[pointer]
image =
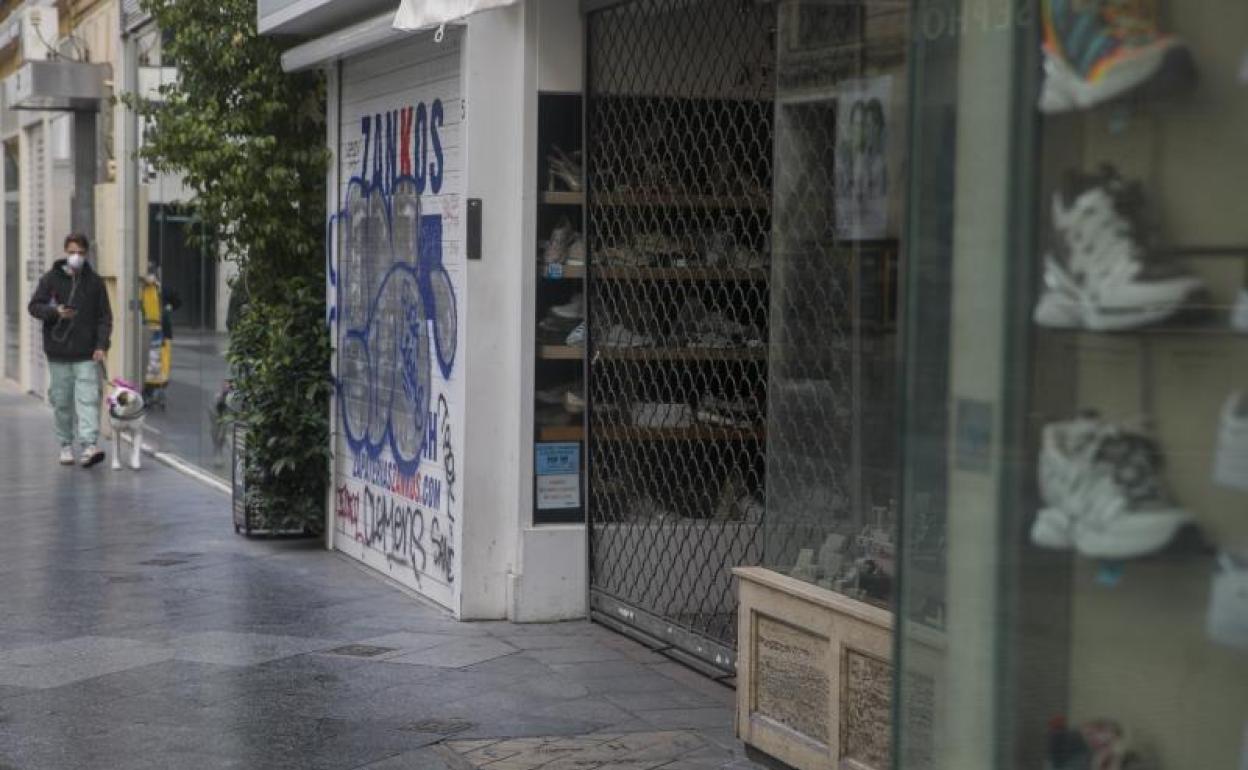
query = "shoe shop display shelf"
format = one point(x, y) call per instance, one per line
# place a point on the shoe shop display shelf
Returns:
point(559, 430)
point(1142, 368)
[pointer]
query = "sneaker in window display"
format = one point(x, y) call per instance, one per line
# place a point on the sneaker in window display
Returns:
point(1096, 51)
point(573, 309)
point(1230, 462)
point(556, 251)
point(1239, 313)
point(1103, 492)
point(1097, 277)
point(1227, 620)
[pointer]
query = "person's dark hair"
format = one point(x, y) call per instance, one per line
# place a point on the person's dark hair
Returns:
point(79, 239)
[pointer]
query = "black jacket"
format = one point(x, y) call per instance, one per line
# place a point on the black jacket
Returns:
point(75, 339)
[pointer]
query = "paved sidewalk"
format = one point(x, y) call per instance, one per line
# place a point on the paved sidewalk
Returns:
point(137, 631)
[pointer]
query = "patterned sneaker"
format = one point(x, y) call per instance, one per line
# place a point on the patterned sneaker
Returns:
point(1103, 492)
point(91, 456)
point(1098, 278)
point(1098, 50)
point(67, 455)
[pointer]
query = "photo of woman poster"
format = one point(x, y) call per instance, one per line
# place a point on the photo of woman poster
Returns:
point(861, 183)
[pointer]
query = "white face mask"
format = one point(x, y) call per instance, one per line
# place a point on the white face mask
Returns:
point(74, 261)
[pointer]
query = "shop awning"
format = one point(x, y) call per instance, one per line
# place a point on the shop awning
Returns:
point(425, 14)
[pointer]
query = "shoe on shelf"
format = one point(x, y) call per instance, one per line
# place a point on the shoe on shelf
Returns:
point(67, 455)
point(554, 395)
point(553, 330)
point(662, 415)
point(573, 309)
point(564, 170)
point(1230, 463)
point(1098, 50)
point(1227, 618)
point(728, 414)
point(576, 251)
point(621, 337)
point(556, 251)
point(1098, 278)
point(91, 456)
point(573, 401)
point(710, 341)
point(1239, 313)
point(576, 338)
point(1103, 492)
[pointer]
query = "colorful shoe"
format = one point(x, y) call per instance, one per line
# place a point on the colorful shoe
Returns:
point(1099, 50)
point(1098, 278)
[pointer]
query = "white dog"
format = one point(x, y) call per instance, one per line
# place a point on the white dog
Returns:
point(126, 411)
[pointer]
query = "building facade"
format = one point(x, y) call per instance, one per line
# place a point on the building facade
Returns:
point(885, 356)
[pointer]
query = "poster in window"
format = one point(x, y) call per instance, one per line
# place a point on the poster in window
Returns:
point(862, 182)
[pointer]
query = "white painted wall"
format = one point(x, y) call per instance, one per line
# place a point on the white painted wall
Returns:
point(494, 92)
point(550, 579)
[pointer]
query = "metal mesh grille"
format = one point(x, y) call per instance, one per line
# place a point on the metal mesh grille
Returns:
point(679, 158)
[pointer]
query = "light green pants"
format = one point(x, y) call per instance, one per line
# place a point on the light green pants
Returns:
point(75, 391)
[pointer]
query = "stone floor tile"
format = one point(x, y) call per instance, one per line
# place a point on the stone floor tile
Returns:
point(457, 654)
point(74, 660)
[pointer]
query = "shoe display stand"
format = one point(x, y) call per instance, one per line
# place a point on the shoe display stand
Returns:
point(559, 431)
point(1132, 626)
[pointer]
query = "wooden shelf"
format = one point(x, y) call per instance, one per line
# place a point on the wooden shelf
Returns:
point(560, 353)
point(683, 354)
point(560, 432)
point(563, 198)
point(683, 274)
point(1220, 332)
point(697, 432)
point(754, 201)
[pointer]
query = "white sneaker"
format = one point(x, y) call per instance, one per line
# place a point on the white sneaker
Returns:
point(67, 455)
point(573, 402)
point(576, 251)
point(1100, 281)
point(575, 308)
point(620, 337)
point(725, 413)
point(658, 415)
point(576, 338)
point(560, 242)
point(1239, 314)
point(1227, 620)
point(1102, 489)
point(1230, 462)
point(91, 456)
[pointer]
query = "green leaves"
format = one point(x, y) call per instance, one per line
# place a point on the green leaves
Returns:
point(249, 140)
point(280, 353)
